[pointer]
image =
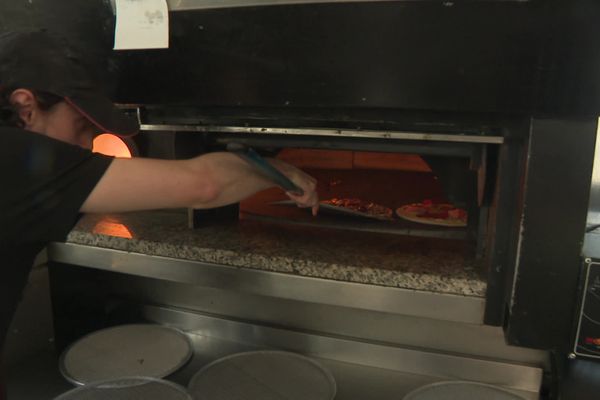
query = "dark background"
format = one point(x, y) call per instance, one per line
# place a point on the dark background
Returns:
point(532, 57)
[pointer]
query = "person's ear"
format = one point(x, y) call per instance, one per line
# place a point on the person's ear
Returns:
point(26, 105)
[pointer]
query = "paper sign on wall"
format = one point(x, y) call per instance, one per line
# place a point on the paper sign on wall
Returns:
point(141, 24)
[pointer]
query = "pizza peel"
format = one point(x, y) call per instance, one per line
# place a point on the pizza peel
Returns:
point(326, 207)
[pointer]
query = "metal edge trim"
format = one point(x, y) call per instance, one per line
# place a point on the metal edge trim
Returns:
point(440, 306)
point(346, 133)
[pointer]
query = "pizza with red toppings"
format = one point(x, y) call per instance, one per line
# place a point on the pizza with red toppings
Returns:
point(359, 207)
point(428, 212)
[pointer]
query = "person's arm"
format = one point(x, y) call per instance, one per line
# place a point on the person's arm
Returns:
point(206, 181)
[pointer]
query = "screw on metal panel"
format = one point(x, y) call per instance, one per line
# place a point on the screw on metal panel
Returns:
point(572, 356)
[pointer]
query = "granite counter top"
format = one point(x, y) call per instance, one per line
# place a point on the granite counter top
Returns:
point(437, 265)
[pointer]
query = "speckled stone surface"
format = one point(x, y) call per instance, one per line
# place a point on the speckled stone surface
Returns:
point(435, 265)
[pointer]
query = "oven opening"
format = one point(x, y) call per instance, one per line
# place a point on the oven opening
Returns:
point(388, 173)
point(379, 192)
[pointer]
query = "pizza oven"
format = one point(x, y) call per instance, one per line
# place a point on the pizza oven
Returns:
point(490, 106)
point(481, 166)
point(492, 272)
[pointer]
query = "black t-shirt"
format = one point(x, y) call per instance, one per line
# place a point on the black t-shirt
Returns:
point(44, 183)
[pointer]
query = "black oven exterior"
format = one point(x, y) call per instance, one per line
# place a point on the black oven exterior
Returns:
point(525, 71)
point(521, 70)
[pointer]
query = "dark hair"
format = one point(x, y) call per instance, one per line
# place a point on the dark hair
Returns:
point(8, 113)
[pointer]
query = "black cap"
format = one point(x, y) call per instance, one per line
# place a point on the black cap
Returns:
point(37, 60)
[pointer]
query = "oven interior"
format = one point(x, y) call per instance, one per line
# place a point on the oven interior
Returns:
point(390, 173)
point(387, 179)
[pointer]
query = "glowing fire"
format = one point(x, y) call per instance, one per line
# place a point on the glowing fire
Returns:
point(111, 145)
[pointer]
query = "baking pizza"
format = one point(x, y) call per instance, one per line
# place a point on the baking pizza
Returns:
point(362, 207)
point(431, 213)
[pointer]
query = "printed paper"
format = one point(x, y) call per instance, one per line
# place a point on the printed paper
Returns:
point(141, 24)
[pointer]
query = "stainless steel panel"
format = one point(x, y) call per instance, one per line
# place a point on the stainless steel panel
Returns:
point(128, 292)
point(522, 378)
point(286, 286)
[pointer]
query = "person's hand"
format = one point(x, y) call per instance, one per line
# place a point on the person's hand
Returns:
point(310, 198)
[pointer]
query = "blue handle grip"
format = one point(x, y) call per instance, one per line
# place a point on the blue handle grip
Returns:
point(267, 170)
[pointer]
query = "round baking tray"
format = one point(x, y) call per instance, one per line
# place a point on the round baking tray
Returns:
point(133, 388)
point(264, 375)
point(463, 390)
point(127, 350)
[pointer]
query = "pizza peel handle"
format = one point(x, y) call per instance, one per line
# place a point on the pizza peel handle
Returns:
point(264, 167)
